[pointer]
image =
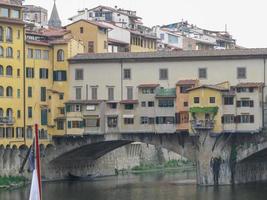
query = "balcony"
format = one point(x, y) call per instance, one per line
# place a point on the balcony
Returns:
point(202, 124)
point(7, 120)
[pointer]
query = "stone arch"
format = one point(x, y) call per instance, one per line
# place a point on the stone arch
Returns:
point(244, 153)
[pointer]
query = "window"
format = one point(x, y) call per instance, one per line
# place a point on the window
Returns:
point(129, 93)
point(60, 124)
point(144, 120)
point(212, 99)
point(15, 14)
point(228, 119)
point(166, 103)
point(9, 91)
point(29, 132)
point(10, 132)
point(162, 36)
point(43, 73)
point(44, 117)
point(1, 33)
point(77, 108)
point(75, 124)
point(81, 30)
point(9, 71)
point(196, 99)
point(165, 120)
point(45, 55)
point(148, 91)
point(60, 55)
point(1, 70)
point(163, 74)
point(127, 73)
point(94, 93)
point(29, 72)
point(60, 75)
point(151, 120)
point(78, 93)
point(150, 104)
point(1, 91)
point(228, 100)
point(1, 51)
point(30, 53)
point(185, 104)
point(143, 104)
point(244, 119)
point(112, 122)
point(18, 72)
point(61, 96)
point(128, 121)
point(78, 74)
point(2, 132)
point(37, 54)
point(9, 52)
point(92, 122)
point(9, 34)
point(43, 93)
point(18, 34)
point(113, 106)
point(18, 93)
point(29, 112)
point(128, 106)
point(245, 103)
point(18, 114)
point(4, 12)
point(110, 93)
point(29, 91)
point(241, 73)
point(90, 47)
point(18, 54)
point(202, 73)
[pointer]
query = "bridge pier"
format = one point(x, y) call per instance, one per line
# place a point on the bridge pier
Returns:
point(213, 160)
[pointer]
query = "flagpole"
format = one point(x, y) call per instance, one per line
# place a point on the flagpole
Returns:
point(37, 150)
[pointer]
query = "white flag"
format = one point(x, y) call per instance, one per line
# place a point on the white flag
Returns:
point(35, 193)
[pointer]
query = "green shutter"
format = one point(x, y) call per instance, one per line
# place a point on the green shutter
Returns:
point(68, 107)
point(69, 124)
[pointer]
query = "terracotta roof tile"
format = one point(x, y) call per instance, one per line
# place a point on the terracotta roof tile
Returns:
point(250, 84)
point(187, 82)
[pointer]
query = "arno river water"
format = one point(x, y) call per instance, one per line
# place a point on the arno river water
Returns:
point(156, 186)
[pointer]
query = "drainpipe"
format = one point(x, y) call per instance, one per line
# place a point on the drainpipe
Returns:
point(121, 62)
point(24, 84)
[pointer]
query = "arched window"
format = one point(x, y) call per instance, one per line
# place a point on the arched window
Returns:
point(9, 52)
point(1, 51)
point(1, 33)
point(1, 112)
point(1, 70)
point(9, 91)
point(9, 70)
point(9, 113)
point(1, 91)
point(60, 55)
point(9, 34)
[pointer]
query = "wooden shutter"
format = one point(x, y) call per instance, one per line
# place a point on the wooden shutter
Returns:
point(251, 118)
point(251, 103)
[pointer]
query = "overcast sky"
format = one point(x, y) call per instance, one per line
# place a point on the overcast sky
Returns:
point(245, 19)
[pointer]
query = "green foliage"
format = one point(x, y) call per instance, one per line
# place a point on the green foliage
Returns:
point(166, 165)
point(10, 180)
point(213, 110)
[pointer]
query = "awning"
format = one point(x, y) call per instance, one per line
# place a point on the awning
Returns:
point(128, 116)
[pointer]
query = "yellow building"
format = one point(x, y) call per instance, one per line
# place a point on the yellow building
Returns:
point(46, 79)
point(205, 107)
point(142, 42)
point(11, 73)
point(94, 35)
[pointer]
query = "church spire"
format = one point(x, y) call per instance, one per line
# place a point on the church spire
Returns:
point(54, 20)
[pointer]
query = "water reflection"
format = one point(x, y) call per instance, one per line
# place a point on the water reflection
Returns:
point(141, 187)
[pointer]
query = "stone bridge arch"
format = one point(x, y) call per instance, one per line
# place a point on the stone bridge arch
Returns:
point(74, 151)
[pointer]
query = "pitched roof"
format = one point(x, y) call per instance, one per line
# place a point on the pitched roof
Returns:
point(54, 20)
point(250, 85)
point(213, 87)
point(172, 55)
point(99, 24)
point(187, 82)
